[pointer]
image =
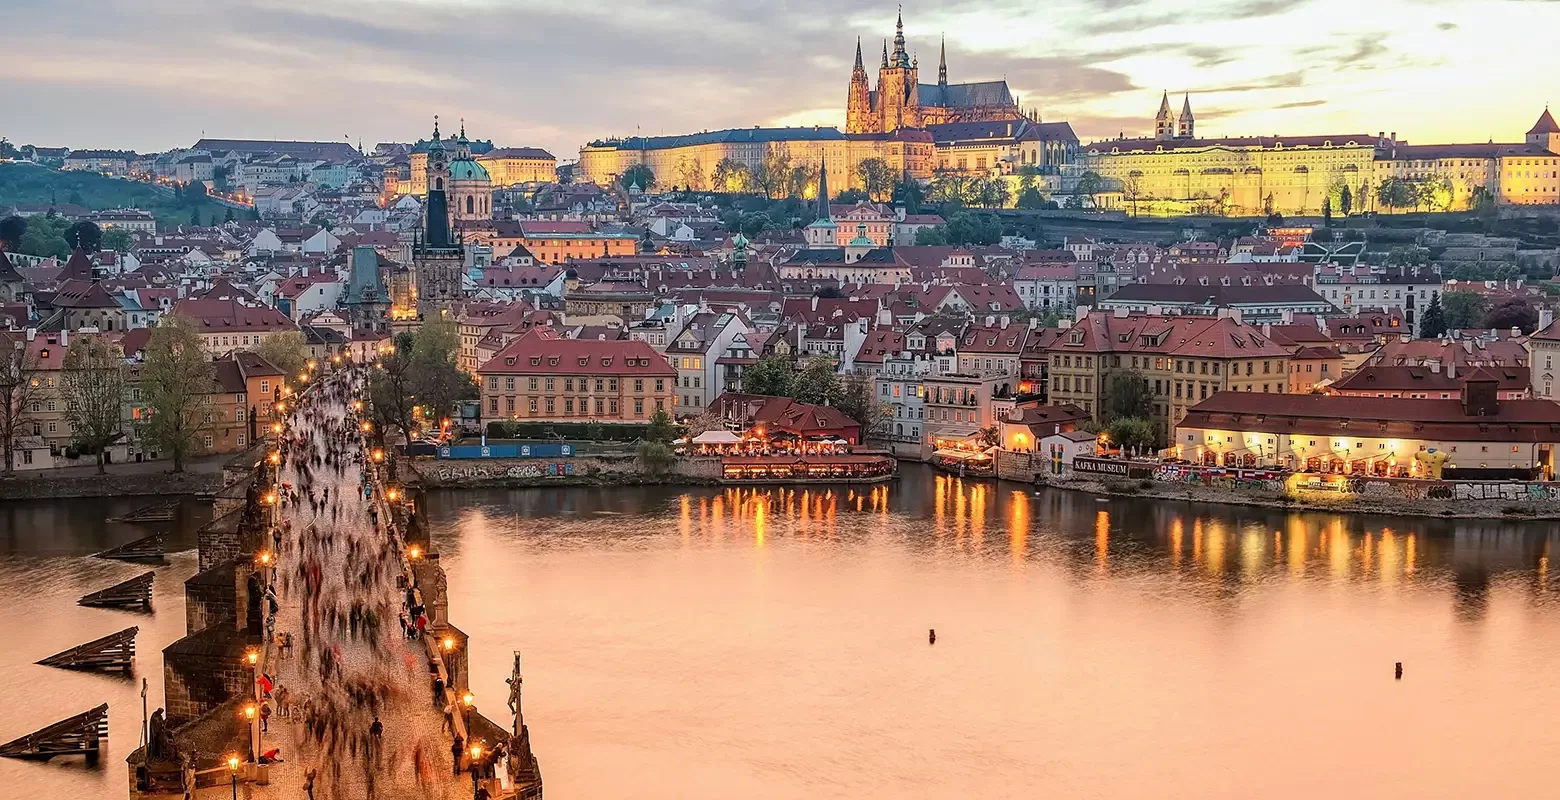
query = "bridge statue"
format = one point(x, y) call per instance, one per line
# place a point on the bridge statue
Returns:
point(524, 773)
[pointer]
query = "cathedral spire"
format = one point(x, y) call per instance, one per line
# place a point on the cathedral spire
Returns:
point(885, 54)
point(823, 190)
point(942, 64)
point(436, 127)
point(859, 68)
point(901, 58)
point(1187, 124)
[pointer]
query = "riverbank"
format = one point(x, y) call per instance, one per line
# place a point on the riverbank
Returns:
point(148, 484)
point(1315, 501)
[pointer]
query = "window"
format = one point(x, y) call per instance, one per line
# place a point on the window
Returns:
point(660, 387)
point(493, 404)
point(240, 440)
point(265, 388)
point(206, 440)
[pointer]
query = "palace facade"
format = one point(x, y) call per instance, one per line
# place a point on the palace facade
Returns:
point(1177, 172)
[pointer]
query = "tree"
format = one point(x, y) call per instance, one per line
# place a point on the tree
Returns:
point(1435, 192)
point(754, 224)
point(691, 172)
point(390, 386)
point(1129, 395)
point(730, 175)
point(1463, 310)
point(654, 451)
point(876, 178)
point(1482, 200)
point(93, 388)
point(992, 192)
point(438, 381)
point(803, 178)
point(638, 174)
point(1433, 324)
point(858, 399)
point(908, 193)
point(177, 382)
point(771, 375)
point(1132, 190)
point(117, 239)
point(1513, 312)
point(1327, 213)
point(20, 388)
point(195, 219)
point(1395, 193)
point(816, 383)
point(935, 236)
point(1090, 185)
point(1345, 201)
point(967, 228)
point(1138, 433)
point(85, 235)
point(286, 351)
point(1030, 199)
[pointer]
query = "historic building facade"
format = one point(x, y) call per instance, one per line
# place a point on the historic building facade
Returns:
point(438, 260)
point(902, 101)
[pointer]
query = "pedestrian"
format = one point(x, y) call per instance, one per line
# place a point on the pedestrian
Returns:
point(455, 751)
point(376, 733)
point(308, 782)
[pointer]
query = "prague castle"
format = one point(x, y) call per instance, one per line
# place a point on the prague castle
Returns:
point(902, 101)
point(1177, 172)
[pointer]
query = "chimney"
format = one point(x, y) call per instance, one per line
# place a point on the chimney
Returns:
point(1034, 322)
point(32, 333)
point(1451, 368)
point(1546, 317)
point(1003, 320)
point(1435, 368)
point(65, 337)
point(815, 303)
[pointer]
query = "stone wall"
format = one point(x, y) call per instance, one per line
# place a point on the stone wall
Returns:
point(202, 672)
point(110, 485)
point(211, 598)
point(584, 470)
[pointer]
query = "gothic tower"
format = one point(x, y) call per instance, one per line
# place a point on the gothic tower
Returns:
point(1187, 126)
point(1164, 121)
point(438, 260)
point(942, 64)
point(858, 102)
point(898, 97)
point(1545, 133)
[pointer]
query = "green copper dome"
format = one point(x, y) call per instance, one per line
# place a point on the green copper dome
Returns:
point(467, 170)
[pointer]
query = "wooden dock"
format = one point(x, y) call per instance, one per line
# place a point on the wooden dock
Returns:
point(148, 548)
point(78, 735)
point(111, 652)
point(159, 512)
point(133, 593)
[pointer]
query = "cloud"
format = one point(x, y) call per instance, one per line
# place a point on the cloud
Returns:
point(1288, 80)
point(1301, 104)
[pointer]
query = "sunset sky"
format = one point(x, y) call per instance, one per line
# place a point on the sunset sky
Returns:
point(156, 74)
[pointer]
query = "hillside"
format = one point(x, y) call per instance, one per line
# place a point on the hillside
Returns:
point(23, 184)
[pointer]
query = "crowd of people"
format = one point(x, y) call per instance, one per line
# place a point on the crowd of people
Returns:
point(341, 575)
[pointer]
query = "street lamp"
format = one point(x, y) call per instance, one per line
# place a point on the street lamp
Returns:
point(276, 427)
point(232, 762)
point(414, 552)
point(449, 644)
point(467, 699)
point(379, 455)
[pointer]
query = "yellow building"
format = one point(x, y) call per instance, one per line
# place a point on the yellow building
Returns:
point(514, 165)
point(1184, 359)
point(692, 160)
point(555, 242)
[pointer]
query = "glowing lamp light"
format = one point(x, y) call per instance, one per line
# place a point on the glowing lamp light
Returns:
point(276, 427)
point(233, 762)
point(275, 458)
point(379, 455)
point(368, 427)
point(467, 699)
point(449, 643)
point(357, 405)
point(265, 559)
point(476, 752)
point(414, 552)
point(392, 494)
point(252, 656)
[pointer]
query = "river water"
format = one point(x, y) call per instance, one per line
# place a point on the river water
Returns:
point(772, 643)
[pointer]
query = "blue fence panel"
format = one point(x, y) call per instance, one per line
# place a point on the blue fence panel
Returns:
point(507, 451)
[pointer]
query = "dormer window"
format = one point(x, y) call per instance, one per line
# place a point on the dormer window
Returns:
point(509, 361)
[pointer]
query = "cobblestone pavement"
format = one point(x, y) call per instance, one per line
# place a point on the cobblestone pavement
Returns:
point(412, 724)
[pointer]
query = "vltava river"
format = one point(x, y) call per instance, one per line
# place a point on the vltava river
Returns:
point(772, 643)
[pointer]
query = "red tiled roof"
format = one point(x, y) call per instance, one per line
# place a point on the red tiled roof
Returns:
point(536, 353)
point(225, 316)
point(1379, 417)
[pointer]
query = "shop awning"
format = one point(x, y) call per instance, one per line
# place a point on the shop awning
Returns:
point(717, 437)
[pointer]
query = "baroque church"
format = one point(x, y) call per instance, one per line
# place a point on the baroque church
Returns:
point(438, 259)
point(902, 101)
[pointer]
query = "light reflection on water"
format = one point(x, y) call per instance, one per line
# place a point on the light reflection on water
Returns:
point(771, 642)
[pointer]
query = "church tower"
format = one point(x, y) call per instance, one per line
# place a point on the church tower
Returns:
point(822, 232)
point(1187, 126)
point(898, 95)
point(1545, 133)
point(438, 261)
point(858, 102)
point(1164, 121)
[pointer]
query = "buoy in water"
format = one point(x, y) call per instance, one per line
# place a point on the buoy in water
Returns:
point(1399, 671)
point(931, 636)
